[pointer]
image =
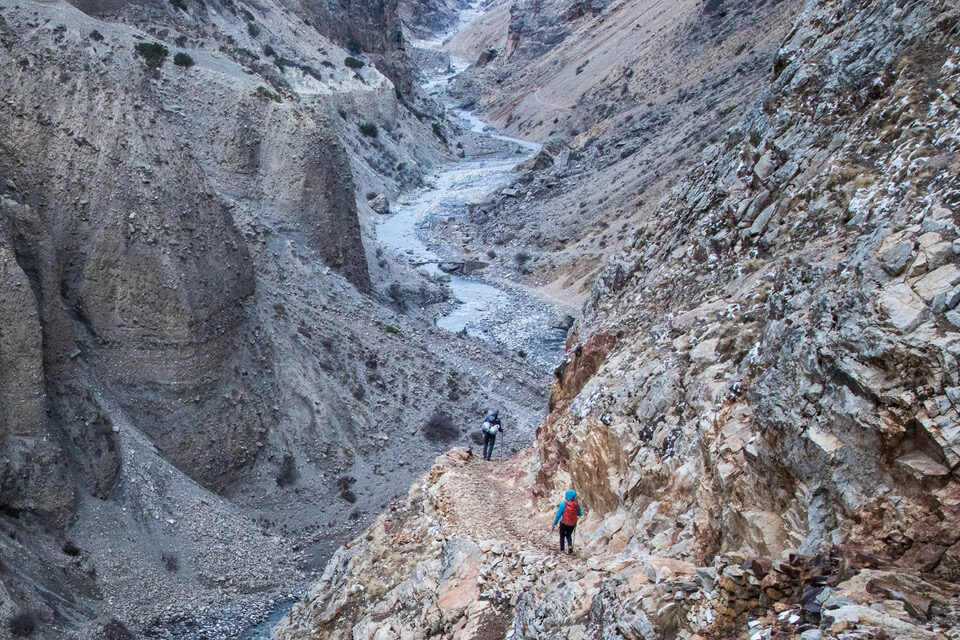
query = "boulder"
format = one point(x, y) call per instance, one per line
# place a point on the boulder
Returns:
point(380, 204)
point(895, 259)
point(902, 307)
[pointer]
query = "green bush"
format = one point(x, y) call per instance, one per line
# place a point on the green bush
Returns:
point(438, 131)
point(249, 17)
point(268, 51)
point(266, 94)
point(179, 4)
point(370, 130)
point(353, 63)
point(153, 53)
point(183, 60)
point(253, 29)
point(354, 47)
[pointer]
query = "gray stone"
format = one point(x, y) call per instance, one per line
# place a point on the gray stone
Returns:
point(895, 259)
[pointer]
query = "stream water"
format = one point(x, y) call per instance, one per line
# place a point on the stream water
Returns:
point(493, 310)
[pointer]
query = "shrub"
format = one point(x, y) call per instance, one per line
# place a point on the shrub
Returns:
point(440, 428)
point(266, 94)
point(268, 51)
point(153, 53)
point(354, 47)
point(249, 17)
point(181, 59)
point(114, 630)
point(438, 131)
point(353, 63)
point(370, 130)
point(344, 483)
point(253, 29)
point(71, 549)
point(287, 475)
point(170, 562)
point(179, 4)
point(327, 63)
point(522, 353)
point(22, 625)
point(521, 258)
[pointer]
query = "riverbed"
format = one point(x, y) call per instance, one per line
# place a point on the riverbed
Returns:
point(491, 309)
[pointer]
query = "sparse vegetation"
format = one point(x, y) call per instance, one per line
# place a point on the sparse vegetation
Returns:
point(354, 47)
point(181, 59)
point(344, 483)
point(353, 63)
point(269, 51)
point(287, 475)
point(440, 428)
point(170, 562)
point(438, 131)
point(521, 258)
point(253, 29)
point(22, 625)
point(153, 53)
point(70, 548)
point(370, 130)
point(179, 4)
point(266, 94)
point(249, 17)
point(329, 64)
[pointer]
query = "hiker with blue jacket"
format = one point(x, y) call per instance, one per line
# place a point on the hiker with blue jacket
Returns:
point(567, 515)
point(491, 427)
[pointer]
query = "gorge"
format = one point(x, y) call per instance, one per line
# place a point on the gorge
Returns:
point(265, 268)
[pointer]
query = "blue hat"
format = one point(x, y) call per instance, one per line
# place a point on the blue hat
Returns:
point(571, 494)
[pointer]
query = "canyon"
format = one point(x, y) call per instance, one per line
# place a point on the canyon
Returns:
point(266, 266)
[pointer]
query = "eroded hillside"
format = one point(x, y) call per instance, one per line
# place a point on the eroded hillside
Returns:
point(759, 405)
point(198, 399)
point(626, 95)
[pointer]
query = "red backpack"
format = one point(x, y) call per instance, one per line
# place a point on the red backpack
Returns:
point(569, 517)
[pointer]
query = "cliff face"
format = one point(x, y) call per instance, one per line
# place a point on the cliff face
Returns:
point(192, 375)
point(758, 408)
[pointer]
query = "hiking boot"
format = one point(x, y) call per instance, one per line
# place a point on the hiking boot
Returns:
point(570, 551)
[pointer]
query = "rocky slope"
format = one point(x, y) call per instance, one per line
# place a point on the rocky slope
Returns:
point(758, 408)
point(626, 96)
point(193, 381)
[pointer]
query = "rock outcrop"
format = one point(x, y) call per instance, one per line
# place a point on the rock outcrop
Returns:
point(193, 376)
point(758, 407)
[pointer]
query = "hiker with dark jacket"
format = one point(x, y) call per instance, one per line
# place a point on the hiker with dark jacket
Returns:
point(567, 515)
point(491, 427)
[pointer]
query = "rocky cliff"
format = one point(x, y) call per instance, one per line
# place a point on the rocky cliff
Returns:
point(192, 376)
point(758, 407)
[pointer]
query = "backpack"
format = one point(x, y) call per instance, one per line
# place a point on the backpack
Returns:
point(569, 517)
point(487, 427)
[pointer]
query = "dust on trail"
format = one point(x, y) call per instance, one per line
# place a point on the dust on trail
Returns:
point(484, 501)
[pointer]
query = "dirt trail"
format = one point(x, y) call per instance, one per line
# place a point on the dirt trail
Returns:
point(483, 500)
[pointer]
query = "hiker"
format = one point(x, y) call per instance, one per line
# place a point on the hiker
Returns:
point(491, 426)
point(567, 516)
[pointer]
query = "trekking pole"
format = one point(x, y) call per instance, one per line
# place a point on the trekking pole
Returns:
point(503, 436)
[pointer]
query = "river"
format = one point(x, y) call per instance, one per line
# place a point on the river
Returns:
point(495, 310)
